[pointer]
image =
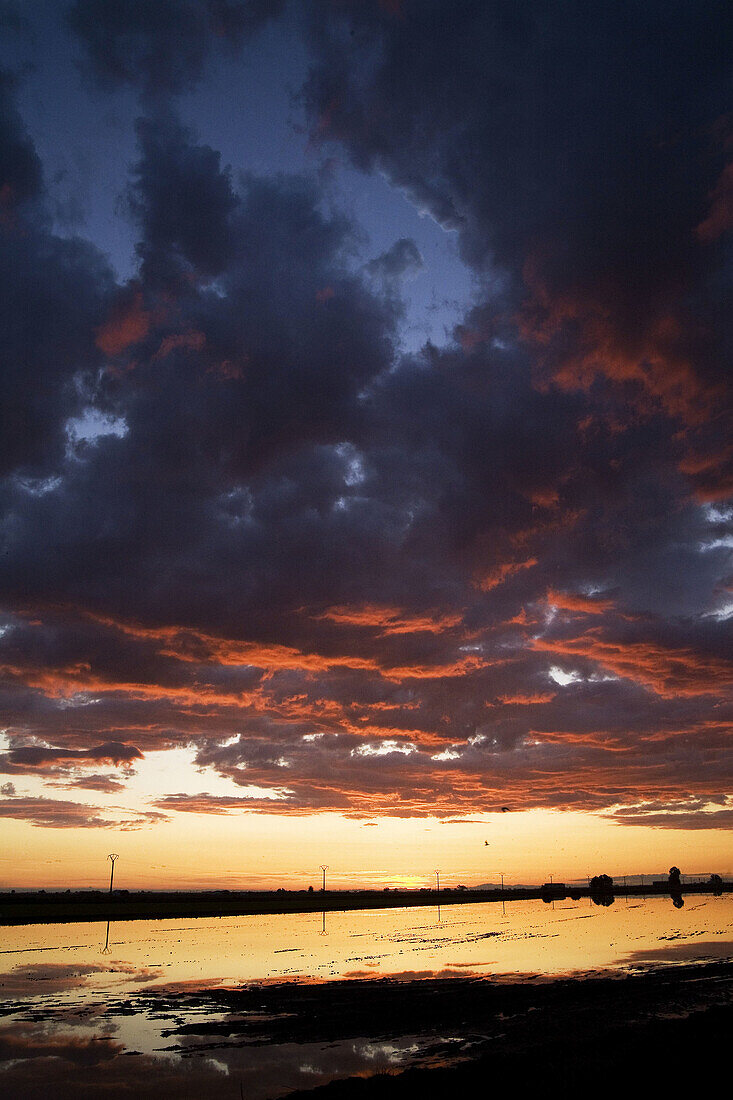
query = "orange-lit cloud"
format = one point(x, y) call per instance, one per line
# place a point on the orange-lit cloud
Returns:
point(390, 620)
point(525, 699)
point(500, 573)
point(587, 605)
point(663, 669)
point(194, 646)
point(191, 341)
point(577, 340)
point(128, 323)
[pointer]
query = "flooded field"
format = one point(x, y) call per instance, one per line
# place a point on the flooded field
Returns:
point(213, 1003)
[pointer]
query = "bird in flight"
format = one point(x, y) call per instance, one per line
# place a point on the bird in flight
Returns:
point(486, 844)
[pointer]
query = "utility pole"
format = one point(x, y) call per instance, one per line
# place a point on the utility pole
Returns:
point(112, 859)
point(437, 878)
point(324, 868)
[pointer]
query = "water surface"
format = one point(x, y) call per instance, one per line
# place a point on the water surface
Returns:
point(136, 996)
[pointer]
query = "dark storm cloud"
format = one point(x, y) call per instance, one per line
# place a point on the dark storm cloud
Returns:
point(52, 296)
point(22, 175)
point(362, 581)
point(162, 47)
point(213, 384)
point(183, 202)
point(524, 120)
point(577, 158)
point(277, 350)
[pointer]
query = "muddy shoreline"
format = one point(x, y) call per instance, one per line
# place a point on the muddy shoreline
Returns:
point(656, 1026)
point(667, 1031)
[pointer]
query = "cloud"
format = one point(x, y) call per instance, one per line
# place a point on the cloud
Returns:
point(183, 201)
point(219, 804)
point(665, 669)
point(341, 573)
point(674, 817)
point(26, 981)
point(52, 813)
point(127, 324)
point(162, 48)
point(572, 159)
point(55, 291)
point(31, 757)
point(22, 179)
point(720, 218)
point(105, 783)
point(570, 601)
point(390, 620)
point(402, 260)
point(33, 1042)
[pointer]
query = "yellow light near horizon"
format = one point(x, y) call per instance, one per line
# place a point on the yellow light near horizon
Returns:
point(238, 851)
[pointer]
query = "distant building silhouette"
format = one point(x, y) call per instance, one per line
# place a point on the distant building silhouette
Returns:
point(550, 891)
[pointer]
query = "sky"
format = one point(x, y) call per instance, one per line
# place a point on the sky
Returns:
point(365, 450)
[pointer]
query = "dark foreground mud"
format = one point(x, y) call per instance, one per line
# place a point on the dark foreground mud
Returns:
point(665, 1026)
point(657, 1056)
point(664, 1030)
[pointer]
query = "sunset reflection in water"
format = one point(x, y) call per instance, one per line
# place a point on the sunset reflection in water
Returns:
point(208, 1005)
point(527, 937)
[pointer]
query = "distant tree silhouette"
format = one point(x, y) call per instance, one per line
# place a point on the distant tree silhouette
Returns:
point(675, 887)
point(601, 890)
point(716, 884)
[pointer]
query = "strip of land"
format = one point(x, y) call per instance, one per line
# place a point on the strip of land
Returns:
point(63, 907)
